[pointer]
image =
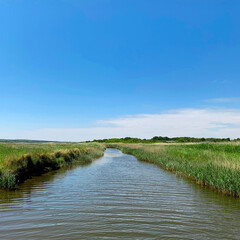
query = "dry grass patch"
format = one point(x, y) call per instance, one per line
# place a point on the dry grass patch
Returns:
point(20, 161)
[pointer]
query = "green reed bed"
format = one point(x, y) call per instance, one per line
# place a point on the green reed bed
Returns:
point(20, 161)
point(214, 165)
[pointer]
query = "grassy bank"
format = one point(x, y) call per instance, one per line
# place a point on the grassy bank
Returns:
point(214, 165)
point(20, 161)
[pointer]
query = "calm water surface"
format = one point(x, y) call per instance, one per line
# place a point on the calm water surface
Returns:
point(116, 197)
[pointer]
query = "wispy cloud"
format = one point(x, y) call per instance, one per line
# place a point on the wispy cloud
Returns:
point(181, 122)
point(224, 100)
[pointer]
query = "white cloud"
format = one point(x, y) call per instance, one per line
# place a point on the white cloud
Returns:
point(181, 122)
point(224, 100)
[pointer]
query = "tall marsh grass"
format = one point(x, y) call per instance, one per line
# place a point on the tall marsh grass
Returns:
point(20, 161)
point(214, 165)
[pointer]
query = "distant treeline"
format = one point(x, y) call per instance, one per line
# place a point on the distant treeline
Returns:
point(157, 139)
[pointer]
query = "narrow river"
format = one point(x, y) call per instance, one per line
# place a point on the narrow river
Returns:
point(116, 197)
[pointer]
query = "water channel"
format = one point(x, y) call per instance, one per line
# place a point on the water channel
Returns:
point(116, 197)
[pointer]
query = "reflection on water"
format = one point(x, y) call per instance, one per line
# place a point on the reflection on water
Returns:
point(116, 197)
point(24, 190)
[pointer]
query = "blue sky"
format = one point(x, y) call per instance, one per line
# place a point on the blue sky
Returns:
point(74, 70)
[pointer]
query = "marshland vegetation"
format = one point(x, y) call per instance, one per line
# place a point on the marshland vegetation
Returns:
point(216, 165)
point(20, 161)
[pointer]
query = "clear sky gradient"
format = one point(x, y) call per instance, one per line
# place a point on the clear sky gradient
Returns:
point(77, 70)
